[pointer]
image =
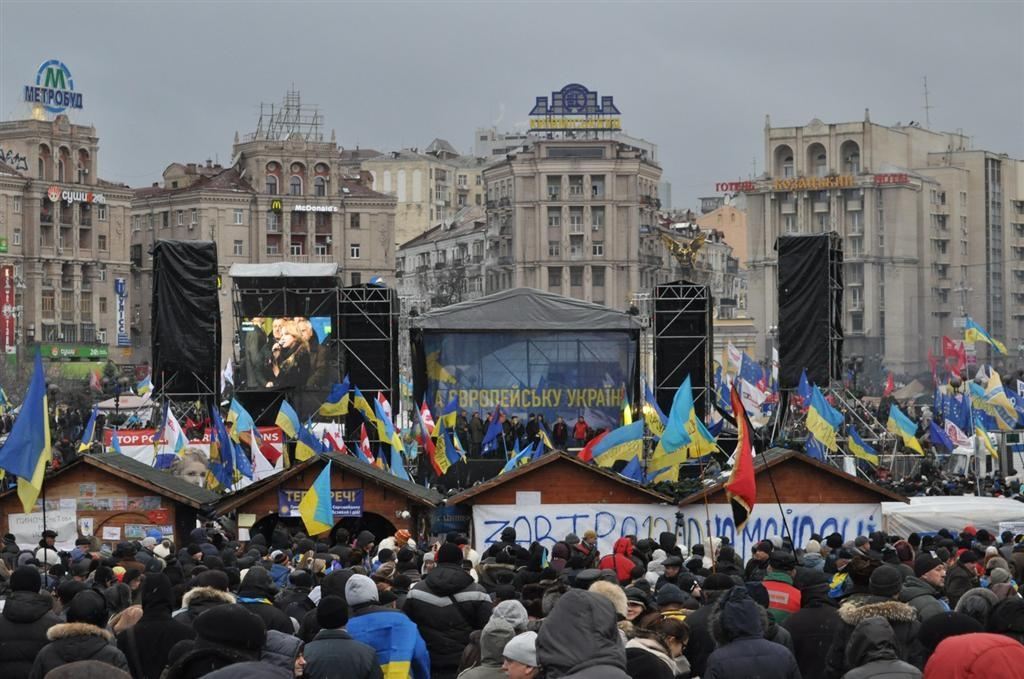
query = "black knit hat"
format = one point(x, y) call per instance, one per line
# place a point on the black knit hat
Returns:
point(449, 553)
point(782, 560)
point(26, 579)
point(670, 594)
point(332, 612)
point(89, 607)
point(1007, 617)
point(944, 625)
point(886, 581)
point(215, 579)
point(924, 563)
point(718, 582)
point(301, 578)
point(230, 625)
point(834, 541)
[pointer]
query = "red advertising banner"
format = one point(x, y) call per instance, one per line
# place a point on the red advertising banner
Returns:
point(7, 307)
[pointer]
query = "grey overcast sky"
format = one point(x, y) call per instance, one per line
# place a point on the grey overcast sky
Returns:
point(172, 81)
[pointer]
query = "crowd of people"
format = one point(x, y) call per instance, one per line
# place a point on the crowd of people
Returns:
point(355, 606)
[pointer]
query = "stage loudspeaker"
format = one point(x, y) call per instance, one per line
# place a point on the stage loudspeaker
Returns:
point(369, 338)
point(810, 293)
point(683, 343)
point(186, 318)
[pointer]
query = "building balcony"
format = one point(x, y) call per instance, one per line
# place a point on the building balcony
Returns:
point(504, 202)
point(821, 206)
point(422, 268)
point(554, 195)
point(853, 205)
point(505, 260)
point(491, 204)
point(650, 201)
point(440, 265)
point(789, 208)
point(577, 229)
point(654, 260)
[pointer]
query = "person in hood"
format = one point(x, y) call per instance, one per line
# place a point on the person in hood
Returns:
point(977, 603)
point(447, 605)
point(884, 590)
point(26, 617)
point(738, 627)
point(390, 633)
point(620, 560)
point(211, 590)
point(580, 639)
point(976, 655)
point(872, 653)
point(147, 643)
point(495, 635)
point(667, 542)
point(256, 593)
point(82, 637)
point(813, 627)
point(701, 643)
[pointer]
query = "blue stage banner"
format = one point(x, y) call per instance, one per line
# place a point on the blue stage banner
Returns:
point(344, 502)
point(549, 374)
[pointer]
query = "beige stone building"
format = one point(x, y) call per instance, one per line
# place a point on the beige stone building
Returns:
point(446, 264)
point(932, 230)
point(577, 217)
point(731, 222)
point(64, 231)
point(430, 187)
point(285, 198)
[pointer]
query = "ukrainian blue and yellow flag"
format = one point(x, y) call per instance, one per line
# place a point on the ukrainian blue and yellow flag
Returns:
point(115, 442)
point(620, 444)
point(975, 333)
point(518, 458)
point(360, 403)
point(859, 448)
point(288, 420)
point(90, 431)
point(904, 427)
point(315, 506)
point(26, 451)
point(652, 413)
point(388, 435)
point(450, 412)
point(337, 401)
point(998, 404)
point(634, 470)
point(627, 410)
point(675, 438)
point(440, 458)
point(144, 386)
point(984, 442)
point(823, 420)
point(398, 465)
point(240, 419)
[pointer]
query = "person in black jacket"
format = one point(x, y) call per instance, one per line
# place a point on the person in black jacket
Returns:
point(701, 642)
point(82, 637)
point(294, 599)
point(148, 642)
point(27, 615)
point(737, 626)
point(872, 653)
point(333, 649)
point(225, 635)
point(579, 638)
point(200, 599)
point(447, 606)
point(814, 626)
point(508, 545)
point(256, 592)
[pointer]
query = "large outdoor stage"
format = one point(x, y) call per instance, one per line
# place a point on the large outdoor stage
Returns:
point(527, 352)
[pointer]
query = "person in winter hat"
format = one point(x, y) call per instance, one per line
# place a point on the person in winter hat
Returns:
point(580, 639)
point(940, 627)
point(738, 628)
point(923, 591)
point(333, 649)
point(620, 560)
point(1007, 618)
point(211, 590)
point(495, 635)
point(648, 656)
point(977, 603)
point(447, 605)
point(26, 617)
point(520, 657)
point(884, 589)
point(813, 627)
point(148, 643)
point(702, 643)
point(981, 655)
point(87, 669)
point(82, 637)
point(872, 653)
point(393, 636)
point(225, 635)
point(256, 592)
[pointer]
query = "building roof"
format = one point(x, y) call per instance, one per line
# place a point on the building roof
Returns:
point(534, 310)
point(412, 491)
point(441, 146)
point(466, 220)
point(226, 180)
point(555, 457)
point(161, 482)
point(776, 456)
point(357, 154)
point(8, 170)
point(353, 188)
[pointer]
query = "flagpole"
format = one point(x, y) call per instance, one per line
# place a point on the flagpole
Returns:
point(782, 512)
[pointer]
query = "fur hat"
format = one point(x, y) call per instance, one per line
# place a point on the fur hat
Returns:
point(613, 593)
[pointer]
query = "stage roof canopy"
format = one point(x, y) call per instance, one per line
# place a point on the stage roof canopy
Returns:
point(283, 270)
point(526, 309)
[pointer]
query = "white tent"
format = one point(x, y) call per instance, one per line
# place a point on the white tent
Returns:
point(125, 403)
point(929, 514)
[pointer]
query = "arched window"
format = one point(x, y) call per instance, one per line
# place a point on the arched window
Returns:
point(83, 166)
point(63, 164)
point(60, 171)
point(784, 162)
point(271, 185)
point(45, 162)
point(295, 186)
point(849, 153)
point(320, 186)
point(817, 161)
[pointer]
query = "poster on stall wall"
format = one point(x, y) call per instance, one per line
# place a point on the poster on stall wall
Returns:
point(28, 528)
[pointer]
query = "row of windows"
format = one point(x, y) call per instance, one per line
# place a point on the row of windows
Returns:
point(576, 248)
point(298, 248)
point(597, 277)
point(101, 240)
point(296, 186)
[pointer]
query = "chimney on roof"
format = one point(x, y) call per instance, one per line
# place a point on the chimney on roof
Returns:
point(191, 168)
point(209, 162)
point(156, 185)
point(366, 179)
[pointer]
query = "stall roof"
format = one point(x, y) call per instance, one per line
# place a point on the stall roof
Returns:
point(776, 456)
point(545, 460)
point(413, 491)
point(122, 466)
point(522, 309)
point(283, 270)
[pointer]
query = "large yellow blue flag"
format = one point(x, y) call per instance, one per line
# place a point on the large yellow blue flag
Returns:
point(859, 448)
point(337, 401)
point(360, 403)
point(904, 427)
point(288, 419)
point(315, 506)
point(675, 437)
point(623, 443)
point(823, 420)
point(26, 451)
point(975, 333)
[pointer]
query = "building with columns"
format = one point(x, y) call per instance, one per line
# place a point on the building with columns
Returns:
point(64, 237)
point(932, 230)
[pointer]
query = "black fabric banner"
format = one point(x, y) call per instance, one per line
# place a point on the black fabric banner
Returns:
point(186, 317)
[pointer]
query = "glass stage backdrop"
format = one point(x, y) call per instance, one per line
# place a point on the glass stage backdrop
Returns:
point(554, 374)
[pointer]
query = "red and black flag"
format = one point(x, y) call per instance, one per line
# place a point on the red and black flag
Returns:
point(741, 488)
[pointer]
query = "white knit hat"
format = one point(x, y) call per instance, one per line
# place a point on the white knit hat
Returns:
point(522, 648)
